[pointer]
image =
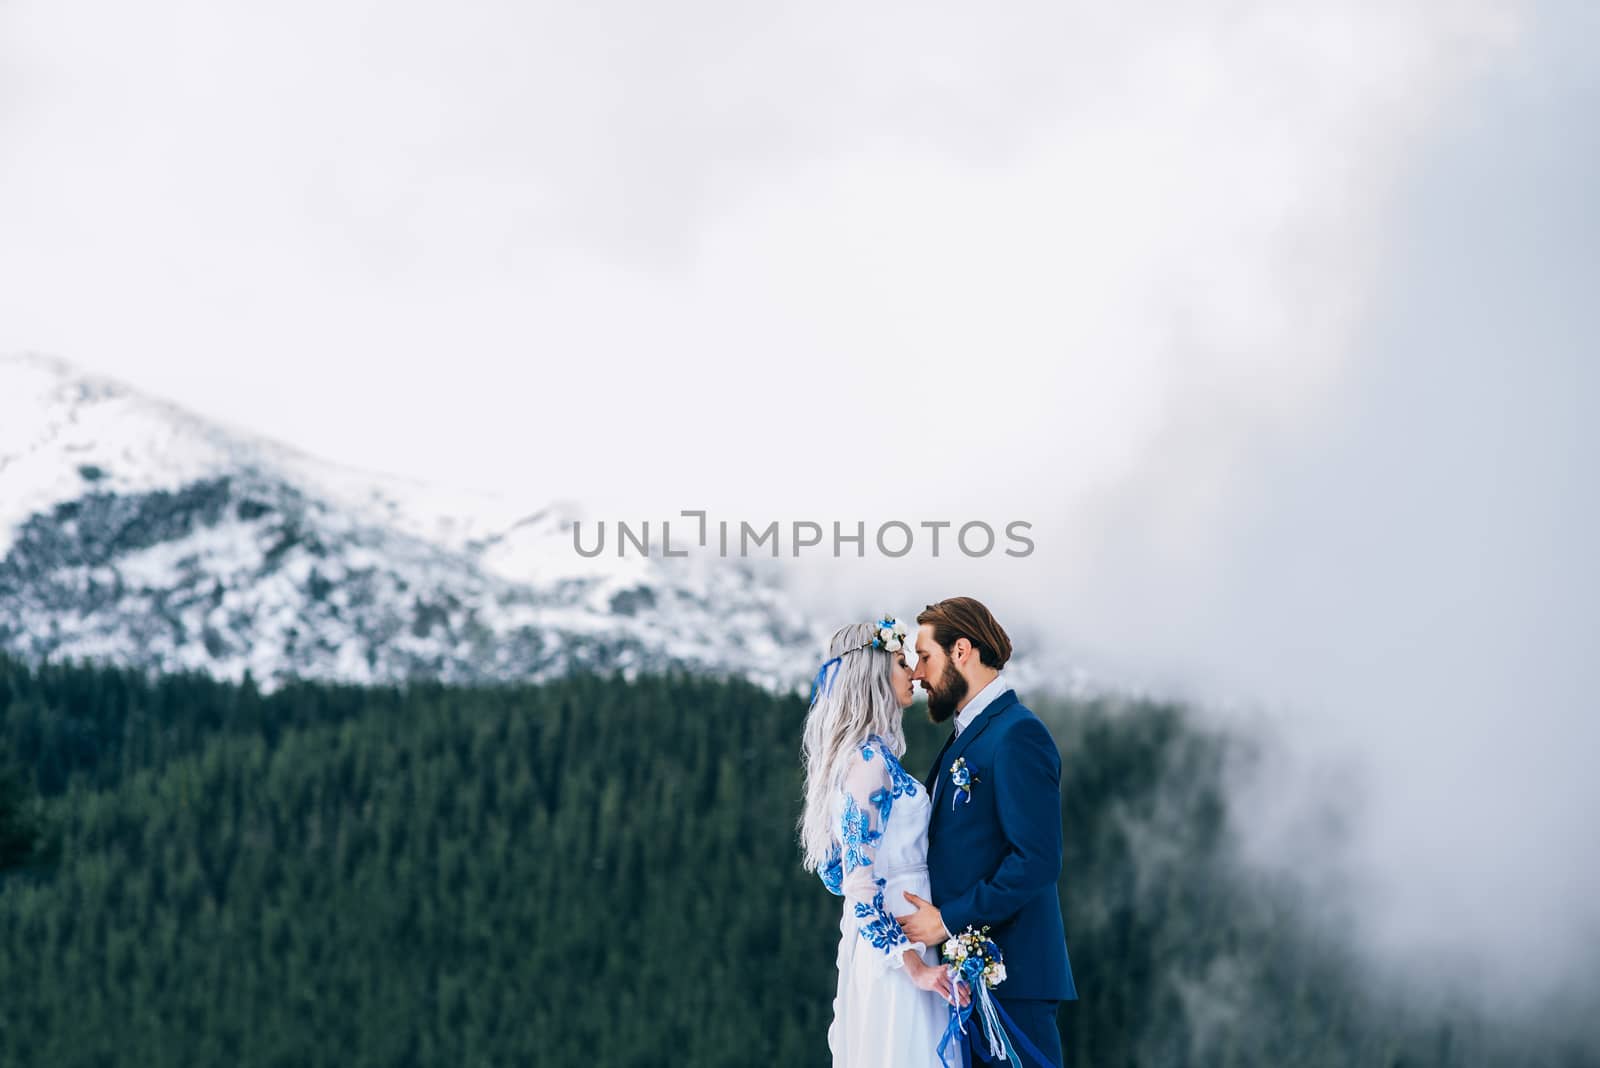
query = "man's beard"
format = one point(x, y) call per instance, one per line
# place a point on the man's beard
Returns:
point(952, 688)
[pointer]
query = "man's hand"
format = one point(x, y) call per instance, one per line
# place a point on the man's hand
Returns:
point(925, 925)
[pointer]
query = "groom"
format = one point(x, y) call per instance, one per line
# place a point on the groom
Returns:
point(994, 848)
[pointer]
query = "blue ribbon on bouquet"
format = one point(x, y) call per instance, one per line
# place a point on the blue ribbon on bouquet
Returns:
point(996, 1022)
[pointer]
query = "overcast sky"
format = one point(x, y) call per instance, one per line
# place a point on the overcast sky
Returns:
point(1272, 319)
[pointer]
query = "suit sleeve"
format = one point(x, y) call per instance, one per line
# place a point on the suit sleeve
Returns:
point(1027, 793)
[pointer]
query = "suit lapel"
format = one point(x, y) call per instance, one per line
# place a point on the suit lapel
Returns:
point(938, 762)
point(953, 752)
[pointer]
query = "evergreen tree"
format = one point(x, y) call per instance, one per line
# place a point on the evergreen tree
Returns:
point(595, 871)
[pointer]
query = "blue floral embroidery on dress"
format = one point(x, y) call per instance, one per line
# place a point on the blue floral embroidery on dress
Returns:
point(883, 802)
point(901, 782)
point(904, 783)
point(858, 837)
point(831, 874)
point(883, 931)
point(857, 834)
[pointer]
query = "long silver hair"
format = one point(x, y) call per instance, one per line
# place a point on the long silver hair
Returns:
point(854, 700)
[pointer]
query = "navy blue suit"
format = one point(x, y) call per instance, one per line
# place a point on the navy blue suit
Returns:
point(994, 857)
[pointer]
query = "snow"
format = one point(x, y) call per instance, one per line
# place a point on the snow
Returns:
point(55, 421)
point(496, 569)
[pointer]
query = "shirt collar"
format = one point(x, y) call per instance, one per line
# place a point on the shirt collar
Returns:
point(980, 700)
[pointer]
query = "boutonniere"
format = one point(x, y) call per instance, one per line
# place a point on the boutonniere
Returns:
point(962, 778)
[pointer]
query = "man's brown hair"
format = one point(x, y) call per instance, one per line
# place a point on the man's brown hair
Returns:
point(966, 617)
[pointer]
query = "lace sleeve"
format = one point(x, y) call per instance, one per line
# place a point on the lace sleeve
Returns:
point(866, 798)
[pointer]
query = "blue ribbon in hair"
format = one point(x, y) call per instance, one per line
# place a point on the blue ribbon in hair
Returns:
point(822, 682)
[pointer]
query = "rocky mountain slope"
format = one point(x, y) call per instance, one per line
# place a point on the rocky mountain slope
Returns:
point(135, 532)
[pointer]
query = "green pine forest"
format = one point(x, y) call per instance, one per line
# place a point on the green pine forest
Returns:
point(592, 872)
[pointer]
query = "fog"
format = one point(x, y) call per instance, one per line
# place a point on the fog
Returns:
point(1269, 318)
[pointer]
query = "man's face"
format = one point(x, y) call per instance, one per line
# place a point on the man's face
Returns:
point(940, 680)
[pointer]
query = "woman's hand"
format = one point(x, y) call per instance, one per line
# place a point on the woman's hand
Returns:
point(932, 977)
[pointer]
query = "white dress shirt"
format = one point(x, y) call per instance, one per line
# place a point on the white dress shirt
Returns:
point(980, 700)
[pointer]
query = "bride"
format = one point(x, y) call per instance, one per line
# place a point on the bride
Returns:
point(864, 831)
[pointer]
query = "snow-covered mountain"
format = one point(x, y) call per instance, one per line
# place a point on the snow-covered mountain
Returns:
point(135, 532)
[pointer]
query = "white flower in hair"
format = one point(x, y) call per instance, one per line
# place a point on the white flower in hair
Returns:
point(891, 635)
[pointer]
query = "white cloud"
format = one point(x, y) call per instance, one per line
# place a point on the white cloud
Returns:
point(1107, 271)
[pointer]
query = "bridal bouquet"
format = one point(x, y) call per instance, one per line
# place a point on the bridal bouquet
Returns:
point(974, 959)
point(972, 954)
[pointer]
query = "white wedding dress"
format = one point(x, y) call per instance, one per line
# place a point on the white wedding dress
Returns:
point(880, 1018)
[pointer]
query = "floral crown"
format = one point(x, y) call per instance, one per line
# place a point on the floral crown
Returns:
point(891, 638)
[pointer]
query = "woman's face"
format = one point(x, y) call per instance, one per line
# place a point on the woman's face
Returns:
point(900, 678)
